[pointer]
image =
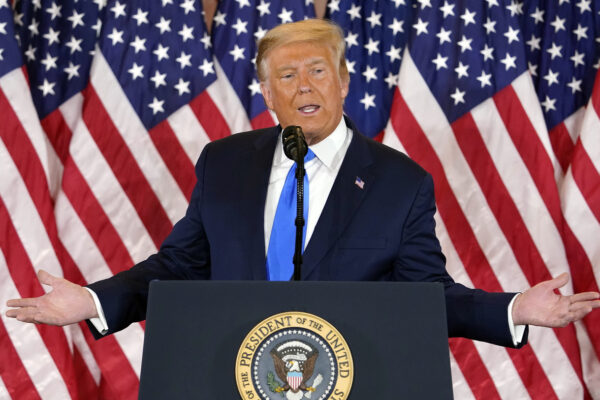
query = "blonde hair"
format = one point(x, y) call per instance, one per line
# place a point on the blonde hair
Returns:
point(310, 30)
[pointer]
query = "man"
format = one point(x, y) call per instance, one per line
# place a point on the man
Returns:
point(370, 212)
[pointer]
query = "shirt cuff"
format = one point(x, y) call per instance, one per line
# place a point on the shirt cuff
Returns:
point(516, 331)
point(99, 322)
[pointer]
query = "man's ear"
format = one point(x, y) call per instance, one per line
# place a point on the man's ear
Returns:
point(345, 83)
point(266, 92)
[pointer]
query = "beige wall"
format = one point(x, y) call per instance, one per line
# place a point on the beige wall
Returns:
point(210, 7)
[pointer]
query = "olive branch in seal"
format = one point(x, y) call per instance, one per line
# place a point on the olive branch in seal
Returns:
point(273, 384)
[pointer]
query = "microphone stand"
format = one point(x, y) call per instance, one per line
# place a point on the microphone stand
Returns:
point(295, 148)
point(299, 213)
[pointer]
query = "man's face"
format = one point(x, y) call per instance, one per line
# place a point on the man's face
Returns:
point(303, 88)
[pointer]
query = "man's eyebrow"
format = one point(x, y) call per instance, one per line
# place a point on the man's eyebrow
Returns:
point(310, 62)
point(316, 60)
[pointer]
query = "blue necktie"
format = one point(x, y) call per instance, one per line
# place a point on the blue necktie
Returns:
point(280, 265)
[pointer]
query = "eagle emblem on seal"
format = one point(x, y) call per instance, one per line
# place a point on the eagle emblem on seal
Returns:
point(294, 362)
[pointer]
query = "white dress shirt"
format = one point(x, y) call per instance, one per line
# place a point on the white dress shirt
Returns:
point(321, 172)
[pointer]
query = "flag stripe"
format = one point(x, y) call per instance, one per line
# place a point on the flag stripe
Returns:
point(262, 120)
point(104, 185)
point(209, 116)
point(228, 103)
point(95, 219)
point(518, 184)
point(117, 372)
point(189, 132)
point(460, 386)
point(86, 386)
point(419, 148)
point(174, 156)
point(87, 358)
point(539, 165)
point(506, 213)
point(14, 381)
point(22, 274)
point(412, 138)
point(498, 198)
point(85, 253)
point(587, 177)
point(125, 168)
point(577, 212)
point(111, 354)
point(12, 371)
point(540, 168)
point(27, 162)
point(562, 145)
point(473, 369)
point(496, 359)
point(104, 234)
point(118, 112)
point(24, 116)
point(573, 124)
point(589, 361)
point(43, 202)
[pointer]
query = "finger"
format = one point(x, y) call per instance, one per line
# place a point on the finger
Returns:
point(581, 309)
point(26, 302)
point(47, 278)
point(25, 314)
point(594, 303)
point(586, 296)
point(559, 281)
point(11, 313)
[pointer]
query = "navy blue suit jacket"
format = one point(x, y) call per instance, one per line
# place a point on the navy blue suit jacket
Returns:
point(384, 231)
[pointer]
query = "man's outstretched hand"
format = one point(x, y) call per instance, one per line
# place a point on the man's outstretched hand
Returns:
point(66, 304)
point(541, 306)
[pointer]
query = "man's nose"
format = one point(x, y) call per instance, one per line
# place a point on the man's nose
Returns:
point(304, 84)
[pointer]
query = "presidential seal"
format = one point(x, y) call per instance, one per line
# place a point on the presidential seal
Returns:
point(294, 356)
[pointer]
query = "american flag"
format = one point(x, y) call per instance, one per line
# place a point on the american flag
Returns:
point(107, 104)
point(102, 126)
point(493, 98)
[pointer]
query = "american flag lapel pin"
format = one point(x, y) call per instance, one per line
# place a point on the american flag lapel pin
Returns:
point(359, 182)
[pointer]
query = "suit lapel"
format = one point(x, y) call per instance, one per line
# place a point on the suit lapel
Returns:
point(343, 200)
point(256, 180)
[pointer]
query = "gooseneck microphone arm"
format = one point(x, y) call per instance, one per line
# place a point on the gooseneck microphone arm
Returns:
point(295, 148)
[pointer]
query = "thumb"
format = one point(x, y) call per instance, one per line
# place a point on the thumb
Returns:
point(47, 278)
point(559, 281)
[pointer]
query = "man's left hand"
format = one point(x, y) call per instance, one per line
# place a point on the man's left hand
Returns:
point(541, 306)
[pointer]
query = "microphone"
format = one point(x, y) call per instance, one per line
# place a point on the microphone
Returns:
point(294, 144)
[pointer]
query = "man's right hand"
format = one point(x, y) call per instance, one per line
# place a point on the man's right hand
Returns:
point(67, 303)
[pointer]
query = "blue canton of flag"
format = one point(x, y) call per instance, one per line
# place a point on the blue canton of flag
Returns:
point(237, 26)
point(10, 55)
point(376, 34)
point(57, 39)
point(563, 57)
point(467, 51)
point(158, 52)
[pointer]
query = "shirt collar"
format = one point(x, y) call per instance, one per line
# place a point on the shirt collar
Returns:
point(326, 150)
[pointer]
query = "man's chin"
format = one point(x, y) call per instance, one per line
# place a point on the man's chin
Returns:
point(314, 136)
